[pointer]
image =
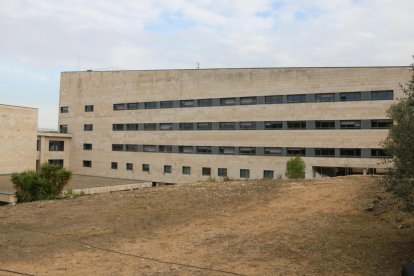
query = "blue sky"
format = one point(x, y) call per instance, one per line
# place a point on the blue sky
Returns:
point(43, 38)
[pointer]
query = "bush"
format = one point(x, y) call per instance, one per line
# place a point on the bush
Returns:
point(46, 183)
point(400, 145)
point(295, 168)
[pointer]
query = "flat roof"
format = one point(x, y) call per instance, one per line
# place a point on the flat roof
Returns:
point(18, 106)
point(238, 68)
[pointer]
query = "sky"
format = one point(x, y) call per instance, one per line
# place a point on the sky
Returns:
point(41, 38)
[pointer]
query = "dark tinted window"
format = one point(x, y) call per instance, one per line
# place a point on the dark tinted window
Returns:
point(131, 147)
point(325, 97)
point(247, 125)
point(205, 102)
point(167, 104)
point(273, 99)
point(88, 108)
point(296, 98)
point(87, 127)
point(324, 152)
point(118, 127)
point(379, 153)
point(204, 126)
point(273, 125)
point(247, 151)
point(150, 148)
point(227, 150)
point(381, 123)
point(63, 128)
point(324, 124)
point(167, 168)
point(205, 171)
point(64, 109)
point(267, 174)
point(129, 166)
point(166, 126)
point(350, 124)
point(120, 106)
point(132, 106)
point(187, 103)
point(150, 126)
point(350, 152)
point(56, 145)
point(295, 151)
point(114, 165)
point(117, 147)
point(244, 173)
point(222, 172)
point(165, 148)
point(228, 101)
point(273, 151)
point(248, 100)
point(87, 163)
point(350, 96)
point(227, 125)
point(382, 95)
point(202, 149)
point(131, 127)
point(186, 126)
point(296, 125)
point(145, 167)
point(185, 149)
point(87, 146)
point(150, 105)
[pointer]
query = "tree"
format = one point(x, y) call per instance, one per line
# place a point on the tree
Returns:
point(400, 144)
point(46, 183)
point(295, 168)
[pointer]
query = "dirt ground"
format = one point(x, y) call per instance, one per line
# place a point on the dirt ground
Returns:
point(332, 226)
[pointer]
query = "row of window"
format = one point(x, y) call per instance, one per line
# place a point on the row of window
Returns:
point(65, 109)
point(270, 151)
point(252, 100)
point(185, 170)
point(253, 125)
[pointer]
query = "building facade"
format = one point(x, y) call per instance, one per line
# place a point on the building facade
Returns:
point(53, 148)
point(178, 126)
point(18, 138)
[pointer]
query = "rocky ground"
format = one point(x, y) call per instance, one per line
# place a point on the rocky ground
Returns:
point(332, 226)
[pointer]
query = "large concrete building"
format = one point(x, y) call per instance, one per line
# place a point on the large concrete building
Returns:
point(188, 125)
point(18, 130)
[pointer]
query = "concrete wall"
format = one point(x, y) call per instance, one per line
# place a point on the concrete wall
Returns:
point(103, 89)
point(44, 154)
point(18, 129)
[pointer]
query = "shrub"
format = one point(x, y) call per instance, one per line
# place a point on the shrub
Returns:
point(295, 168)
point(46, 183)
point(400, 145)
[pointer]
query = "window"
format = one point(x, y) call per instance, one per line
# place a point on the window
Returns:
point(187, 103)
point(120, 106)
point(185, 149)
point(150, 148)
point(167, 104)
point(64, 109)
point(205, 102)
point(56, 162)
point(186, 170)
point(273, 99)
point(222, 172)
point(301, 98)
point(227, 150)
point(324, 124)
point(206, 171)
point(166, 126)
point(204, 150)
point(325, 152)
point(379, 153)
point(63, 128)
point(114, 165)
point(382, 95)
point(150, 105)
point(131, 127)
point(350, 152)
point(267, 174)
point(129, 166)
point(87, 146)
point(117, 147)
point(132, 106)
point(247, 125)
point(150, 126)
point(351, 124)
point(87, 163)
point(248, 100)
point(87, 127)
point(89, 108)
point(204, 126)
point(186, 126)
point(381, 123)
point(167, 168)
point(228, 101)
point(145, 167)
point(296, 125)
point(325, 97)
point(227, 125)
point(247, 151)
point(273, 151)
point(350, 96)
point(118, 127)
point(56, 145)
point(244, 173)
point(38, 145)
point(165, 148)
point(273, 125)
point(295, 152)
point(131, 147)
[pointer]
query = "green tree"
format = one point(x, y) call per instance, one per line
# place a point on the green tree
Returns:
point(400, 144)
point(46, 183)
point(295, 168)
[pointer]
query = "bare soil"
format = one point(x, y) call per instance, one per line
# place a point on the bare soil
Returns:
point(332, 226)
